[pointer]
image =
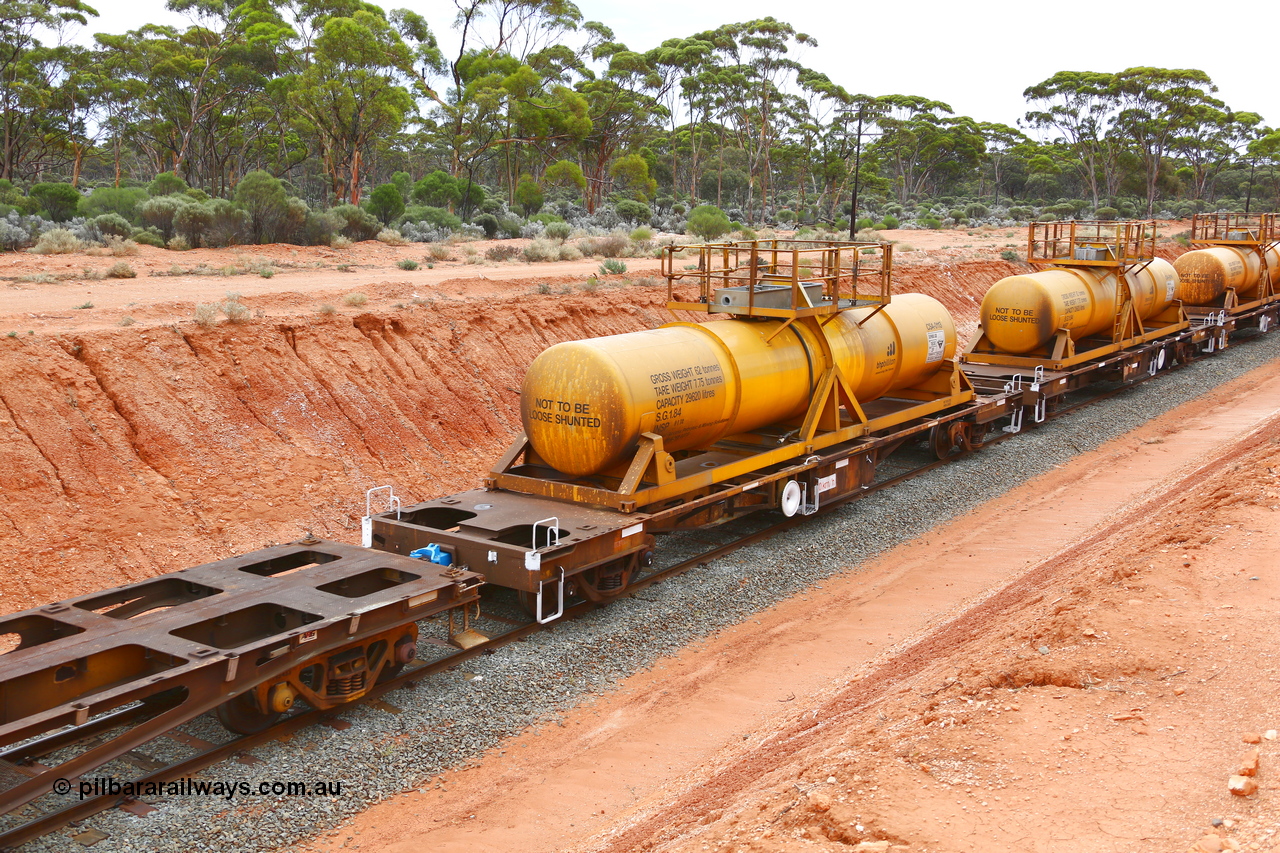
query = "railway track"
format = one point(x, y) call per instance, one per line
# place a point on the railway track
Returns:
point(204, 754)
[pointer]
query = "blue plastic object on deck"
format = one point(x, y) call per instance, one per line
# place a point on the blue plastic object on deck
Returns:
point(433, 553)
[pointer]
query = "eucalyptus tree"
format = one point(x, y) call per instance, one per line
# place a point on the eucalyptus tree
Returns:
point(756, 70)
point(678, 64)
point(1081, 107)
point(1003, 144)
point(1211, 143)
point(352, 93)
point(923, 143)
point(623, 113)
point(29, 71)
point(1157, 107)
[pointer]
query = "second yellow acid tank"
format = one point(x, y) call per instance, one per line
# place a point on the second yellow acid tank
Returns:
point(1207, 273)
point(1022, 313)
point(585, 403)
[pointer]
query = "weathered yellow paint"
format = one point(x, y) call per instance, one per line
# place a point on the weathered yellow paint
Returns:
point(585, 403)
point(1207, 273)
point(1022, 312)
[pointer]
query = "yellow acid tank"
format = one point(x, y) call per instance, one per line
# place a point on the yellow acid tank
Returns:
point(1022, 313)
point(585, 403)
point(1207, 273)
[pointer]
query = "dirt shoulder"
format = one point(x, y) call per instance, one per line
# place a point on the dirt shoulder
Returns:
point(1070, 667)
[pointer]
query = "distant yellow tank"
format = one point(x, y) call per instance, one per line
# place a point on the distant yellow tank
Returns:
point(584, 404)
point(1207, 273)
point(1022, 313)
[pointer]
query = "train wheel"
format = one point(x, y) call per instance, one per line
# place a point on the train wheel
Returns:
point(950, 440)
point(241, 715)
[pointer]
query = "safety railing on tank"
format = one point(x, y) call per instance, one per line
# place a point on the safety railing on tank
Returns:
point(778, 278)
point(1091, 243)
point(1235, 229)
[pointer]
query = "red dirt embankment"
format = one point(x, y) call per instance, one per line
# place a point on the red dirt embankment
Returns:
point(129, 452)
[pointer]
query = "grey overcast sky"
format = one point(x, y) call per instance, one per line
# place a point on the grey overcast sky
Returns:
point(977, 56)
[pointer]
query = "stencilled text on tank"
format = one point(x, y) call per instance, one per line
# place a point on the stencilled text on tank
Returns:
point(1005, 314)
point(563, 413)
point(674, 389)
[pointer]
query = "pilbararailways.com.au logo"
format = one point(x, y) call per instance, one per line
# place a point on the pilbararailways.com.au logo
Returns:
point(188, 787)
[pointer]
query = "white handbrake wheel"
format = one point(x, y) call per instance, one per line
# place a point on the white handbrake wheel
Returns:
point(791, 498)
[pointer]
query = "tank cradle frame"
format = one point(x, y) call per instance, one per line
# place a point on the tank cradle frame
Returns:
point(1255, 232)
point(656, 477)
point(1122, 248)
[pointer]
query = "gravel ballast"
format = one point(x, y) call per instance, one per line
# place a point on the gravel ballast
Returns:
point(452, 718)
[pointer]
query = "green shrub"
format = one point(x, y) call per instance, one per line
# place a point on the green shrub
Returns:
point(122, 201)
point(612, 266)
point(113, 223)
point(510, 228)
point(786, 215)
point(890, 222)
point(147, 238)
point(643, 234)
point(228, 224)
point(1046, 217)
point(528, 196)
point(708, 222)
point(976, 210)
point(558, 230)
point(392, 237)
point(930, 222)
point(1107, 214)
point(546, 218)
point(404, 183)
point(408, 264)
point(191, 221)
point(121, 270)
point(60, 201)
point(158, 213)
point(1009, 255)
point(358, 224)
point(489, 223)
point(630, 210)
point(1022, 214)
point(436, 217)
point(437, 189)
point(386, 203)
point(273, 217)
point(167, 183)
